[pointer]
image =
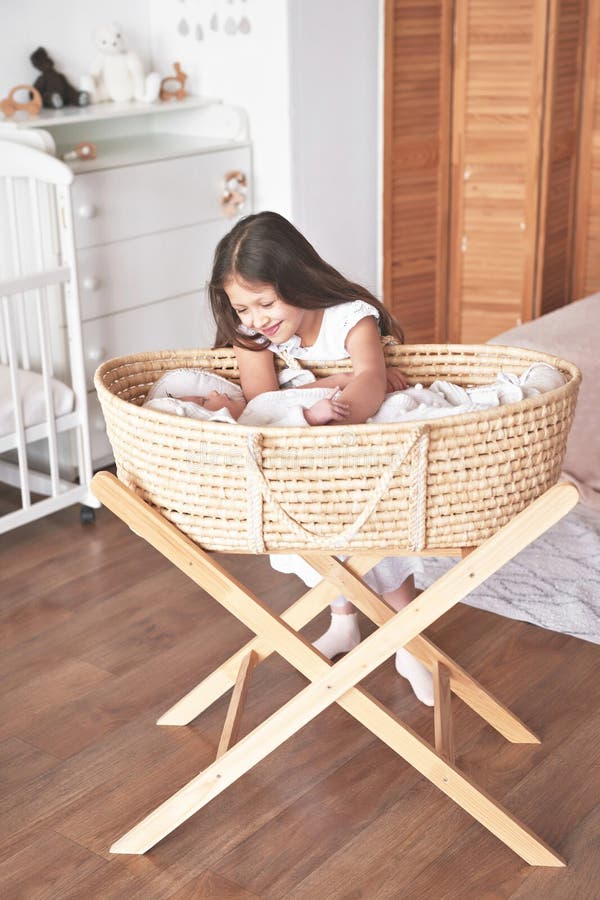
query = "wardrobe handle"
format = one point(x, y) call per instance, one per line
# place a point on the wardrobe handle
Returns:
point(87, 211)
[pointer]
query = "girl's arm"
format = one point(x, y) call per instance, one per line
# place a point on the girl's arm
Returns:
point(394, 378)
point(338, 380)
point(257, 371)
point(366, 390)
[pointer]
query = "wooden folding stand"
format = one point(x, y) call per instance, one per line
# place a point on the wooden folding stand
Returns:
point(338, 682)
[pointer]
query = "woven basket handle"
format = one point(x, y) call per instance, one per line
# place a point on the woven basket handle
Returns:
point(262, 487)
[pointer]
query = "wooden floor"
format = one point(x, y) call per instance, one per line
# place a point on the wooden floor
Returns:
point(100, 635)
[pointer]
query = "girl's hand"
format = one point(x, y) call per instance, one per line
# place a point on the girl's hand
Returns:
point(328, 410)
point(395, 380)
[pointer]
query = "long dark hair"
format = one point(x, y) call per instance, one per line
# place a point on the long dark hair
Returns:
point(266, 249)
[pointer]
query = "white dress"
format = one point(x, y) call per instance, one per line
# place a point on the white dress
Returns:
point(330, 345)
point(331, 341)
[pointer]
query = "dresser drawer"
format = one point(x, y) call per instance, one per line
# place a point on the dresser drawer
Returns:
point(115, 277)
point(114, 204)
point(179, 323)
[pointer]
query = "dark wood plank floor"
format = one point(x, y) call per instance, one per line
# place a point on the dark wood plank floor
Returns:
point(100, 635)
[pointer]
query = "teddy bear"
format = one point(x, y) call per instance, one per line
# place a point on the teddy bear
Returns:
point(117, 73)
point(54, 88)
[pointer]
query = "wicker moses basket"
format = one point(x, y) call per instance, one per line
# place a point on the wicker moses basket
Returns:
point(450, 482)
point(438, 486)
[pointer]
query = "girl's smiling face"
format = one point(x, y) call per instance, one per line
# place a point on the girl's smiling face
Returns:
point(261, 309)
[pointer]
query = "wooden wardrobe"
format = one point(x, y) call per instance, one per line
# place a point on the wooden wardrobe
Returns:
point(491, 163)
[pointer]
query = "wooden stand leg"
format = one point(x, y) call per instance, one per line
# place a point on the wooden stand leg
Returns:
point(231, 728)
point(366, 709)
point(442, 713)
point(464, 685)
point(337, 682)
point(342, 577)
point(221, 680)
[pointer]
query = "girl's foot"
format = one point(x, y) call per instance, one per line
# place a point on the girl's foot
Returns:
point(342, 635)
point(416, 674)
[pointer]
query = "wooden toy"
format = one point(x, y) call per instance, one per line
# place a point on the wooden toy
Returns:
point(9, 106)
point(167, 89)
point(234, 193)
point(83, 150)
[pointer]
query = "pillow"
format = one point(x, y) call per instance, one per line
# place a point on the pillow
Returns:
point(192, 382)
point(32, 396)
point(572, 333)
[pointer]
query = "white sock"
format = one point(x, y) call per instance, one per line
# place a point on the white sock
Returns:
point(342, 635)
point(417, 675)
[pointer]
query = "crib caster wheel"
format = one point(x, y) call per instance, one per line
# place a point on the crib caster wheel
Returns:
point(87, 515)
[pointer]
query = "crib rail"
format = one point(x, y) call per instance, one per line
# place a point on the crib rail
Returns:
point(40, 328)
point(35, 280)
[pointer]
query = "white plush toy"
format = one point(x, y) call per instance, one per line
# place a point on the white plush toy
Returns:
point(117, 73)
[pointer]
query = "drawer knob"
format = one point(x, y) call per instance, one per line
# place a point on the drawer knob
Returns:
point(87, 211)
point(235, 189)
point(96, 354)
point(90, 283)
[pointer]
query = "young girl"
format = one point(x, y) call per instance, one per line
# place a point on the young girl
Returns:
point(271, 293)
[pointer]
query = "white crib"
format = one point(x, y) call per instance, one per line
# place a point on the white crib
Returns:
point(43, 397)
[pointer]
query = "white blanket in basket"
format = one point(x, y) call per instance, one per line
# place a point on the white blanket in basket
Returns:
point(31, 394)
point(287, 407)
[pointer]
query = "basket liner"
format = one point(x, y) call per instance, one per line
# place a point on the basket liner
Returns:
point(408, 486)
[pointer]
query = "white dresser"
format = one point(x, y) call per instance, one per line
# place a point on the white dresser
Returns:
point(148, 214)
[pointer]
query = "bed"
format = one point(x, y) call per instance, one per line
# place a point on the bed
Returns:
point(565, 561)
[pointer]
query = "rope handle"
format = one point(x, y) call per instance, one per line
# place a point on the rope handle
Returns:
point(312, 538)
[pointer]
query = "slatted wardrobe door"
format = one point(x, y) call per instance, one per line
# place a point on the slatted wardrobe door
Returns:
point(562, 110)
point(418, 51)
point(587, 232)
point(497, 113)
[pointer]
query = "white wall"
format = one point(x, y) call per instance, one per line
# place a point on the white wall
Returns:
point(334, 86)
point(65, 30)
point(306, 71)
point(247, 69)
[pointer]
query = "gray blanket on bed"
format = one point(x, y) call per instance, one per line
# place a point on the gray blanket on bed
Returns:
point(571, 332)
point(555, 582)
